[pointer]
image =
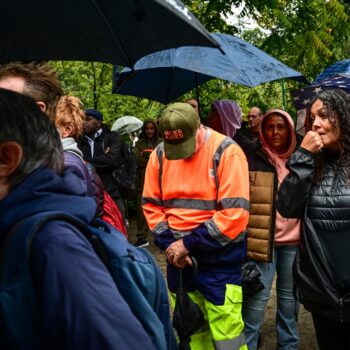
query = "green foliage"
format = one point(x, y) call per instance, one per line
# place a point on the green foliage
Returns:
point(92, 83)
point(306, 35)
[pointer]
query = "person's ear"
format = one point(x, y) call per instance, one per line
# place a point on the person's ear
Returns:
point(67, 130)
point(11, 154)
point(42, 106)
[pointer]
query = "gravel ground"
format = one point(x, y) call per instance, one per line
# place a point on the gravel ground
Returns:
point(268, 333)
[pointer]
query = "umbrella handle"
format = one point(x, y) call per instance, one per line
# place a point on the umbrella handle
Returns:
point(194, 263)
point(194, 267)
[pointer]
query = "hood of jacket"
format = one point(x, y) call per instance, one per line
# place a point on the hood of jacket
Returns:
point(290, 123)
point(44, 190)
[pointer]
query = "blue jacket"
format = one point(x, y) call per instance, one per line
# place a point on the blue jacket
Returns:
point(78, 302)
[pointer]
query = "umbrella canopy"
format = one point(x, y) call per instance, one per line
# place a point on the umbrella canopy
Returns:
point(166, 75)
point(303, 97)
point(127, 124)
point(113, 31)
point(336, 68)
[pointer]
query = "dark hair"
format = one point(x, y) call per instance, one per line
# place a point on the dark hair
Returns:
point(337, 105)
point(23, 122)
point(143, 133)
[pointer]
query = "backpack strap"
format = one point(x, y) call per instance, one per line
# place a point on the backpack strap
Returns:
point(16, 247)
point(19, 312)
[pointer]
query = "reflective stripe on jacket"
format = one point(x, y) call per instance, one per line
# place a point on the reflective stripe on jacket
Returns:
point(211, 187)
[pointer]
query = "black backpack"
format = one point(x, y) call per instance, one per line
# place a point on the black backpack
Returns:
point(124, 174)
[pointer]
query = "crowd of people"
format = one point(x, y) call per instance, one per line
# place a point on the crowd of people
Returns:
point(212, 196)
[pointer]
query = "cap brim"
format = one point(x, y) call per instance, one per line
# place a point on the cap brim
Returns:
point(180, 151)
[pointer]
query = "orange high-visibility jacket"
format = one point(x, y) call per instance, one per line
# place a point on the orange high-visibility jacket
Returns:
point(210, 188)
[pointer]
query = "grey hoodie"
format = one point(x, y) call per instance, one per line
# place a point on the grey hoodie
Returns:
point(70, 145)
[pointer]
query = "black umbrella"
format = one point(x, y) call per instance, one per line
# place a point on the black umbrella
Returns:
point(188, 318)
point(112, 31)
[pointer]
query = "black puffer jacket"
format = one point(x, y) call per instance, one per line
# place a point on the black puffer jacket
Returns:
point(322, 266)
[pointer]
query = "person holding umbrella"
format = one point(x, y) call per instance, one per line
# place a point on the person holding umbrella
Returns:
point(317, 191)
point(196, 202)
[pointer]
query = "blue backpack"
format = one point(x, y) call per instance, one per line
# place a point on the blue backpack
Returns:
point(133, 270)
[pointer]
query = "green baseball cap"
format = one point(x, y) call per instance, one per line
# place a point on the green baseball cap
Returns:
point(178, 126)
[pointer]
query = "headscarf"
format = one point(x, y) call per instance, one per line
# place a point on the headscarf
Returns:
point(230, 116)
point(279, 160)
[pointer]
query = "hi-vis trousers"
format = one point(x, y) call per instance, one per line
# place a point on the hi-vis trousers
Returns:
point(225, 327)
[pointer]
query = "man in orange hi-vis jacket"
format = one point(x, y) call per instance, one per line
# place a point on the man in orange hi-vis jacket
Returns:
point(196, 202)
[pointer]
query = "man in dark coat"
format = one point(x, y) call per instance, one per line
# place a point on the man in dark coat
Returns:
point(102, 148)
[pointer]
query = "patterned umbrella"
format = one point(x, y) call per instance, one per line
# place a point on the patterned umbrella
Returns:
point(303, 97)
point(307, 94)
point(336, 68)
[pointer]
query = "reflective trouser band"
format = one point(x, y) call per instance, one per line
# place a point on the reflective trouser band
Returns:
point(225, 328)
point(161, 227)
point(236, 343)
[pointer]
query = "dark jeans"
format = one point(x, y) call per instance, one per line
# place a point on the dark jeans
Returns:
point(142, 226)
point(120, 204)
point(331, 334)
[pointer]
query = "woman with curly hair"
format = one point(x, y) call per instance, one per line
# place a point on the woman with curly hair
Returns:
point(317, 190)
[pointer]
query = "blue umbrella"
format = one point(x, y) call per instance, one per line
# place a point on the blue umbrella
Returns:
point(336, 68)
point(303, 97)
point(164, 76)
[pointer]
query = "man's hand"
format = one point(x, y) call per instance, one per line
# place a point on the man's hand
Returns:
point(177, 254)
point(186, 260)
point(312, 142)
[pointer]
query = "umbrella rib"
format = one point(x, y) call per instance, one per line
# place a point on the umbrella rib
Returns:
point(115, 37)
